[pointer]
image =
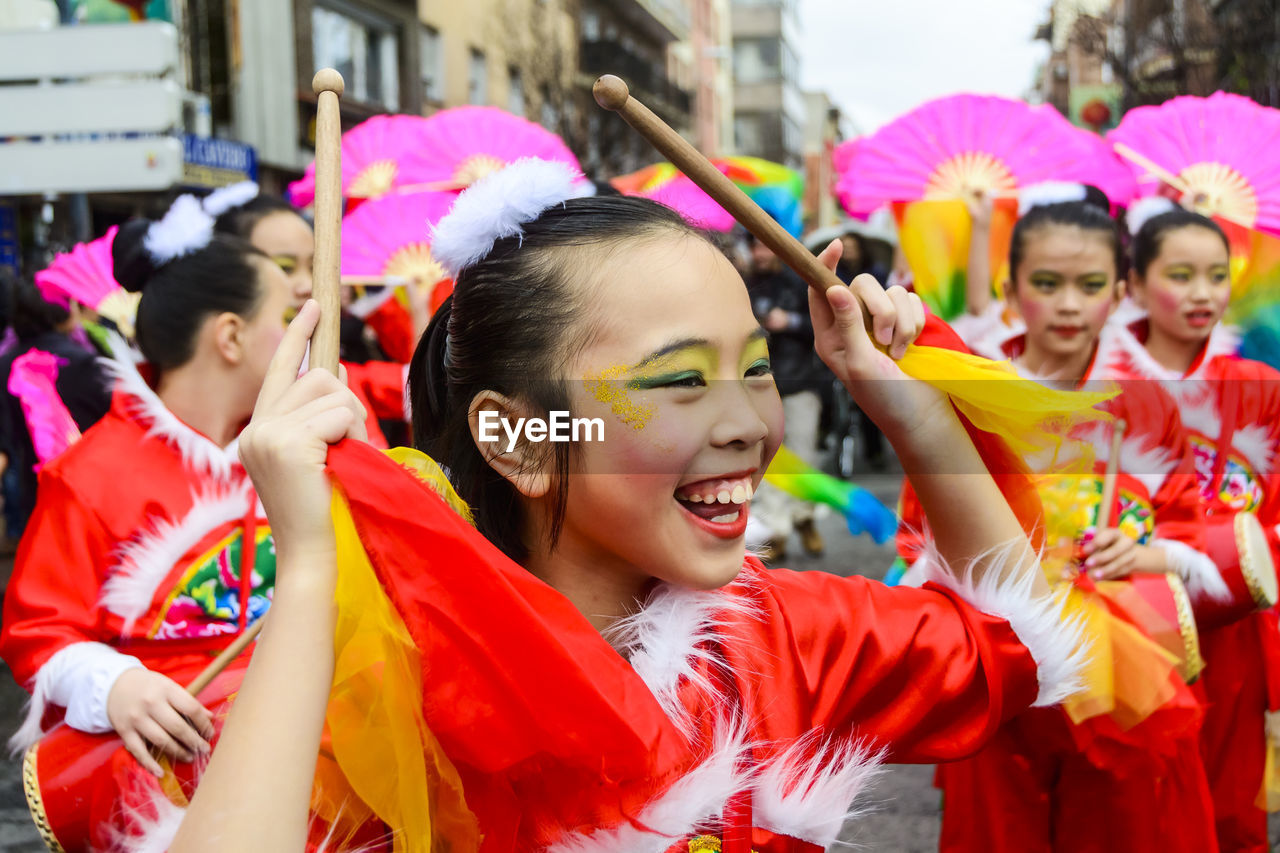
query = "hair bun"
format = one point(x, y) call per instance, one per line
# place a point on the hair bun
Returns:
point(131, 262)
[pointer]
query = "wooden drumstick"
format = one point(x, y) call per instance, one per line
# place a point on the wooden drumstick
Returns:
point(612, 94)
point(1110, 477)
point(328, 86)
point(230, 653)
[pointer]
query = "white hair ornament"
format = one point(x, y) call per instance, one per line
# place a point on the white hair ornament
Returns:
point(1144, 210)
point(185, 228)
point(1049, 192)
point(498, 206)
point(230, 197)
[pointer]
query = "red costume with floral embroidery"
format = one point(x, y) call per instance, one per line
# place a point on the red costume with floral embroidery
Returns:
point(1065, 780)
point(147, 547)
point(1231, 409)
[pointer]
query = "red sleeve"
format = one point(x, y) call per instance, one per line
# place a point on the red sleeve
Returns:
point(393, 327)
point(52, 597)
point(918, 671)
point(380, 384)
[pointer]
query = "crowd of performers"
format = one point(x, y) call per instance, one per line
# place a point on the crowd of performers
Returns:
point(488, 650)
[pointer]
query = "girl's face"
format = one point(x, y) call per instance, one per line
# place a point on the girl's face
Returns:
point(1187, 287)
point(678, 371)
point(1065, 289)
point(287, 239)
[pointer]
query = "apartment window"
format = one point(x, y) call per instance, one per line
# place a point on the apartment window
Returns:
point(364, 49)
point(515, 91)
point(749, 134)
point(757, 60)
point(478, 78)
point(432, 65)
point(590, 23)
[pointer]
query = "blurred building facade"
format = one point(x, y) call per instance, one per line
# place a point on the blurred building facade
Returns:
point(768, 109)
point(824, 129)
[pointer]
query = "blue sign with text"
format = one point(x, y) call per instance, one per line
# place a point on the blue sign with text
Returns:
point(210, 162)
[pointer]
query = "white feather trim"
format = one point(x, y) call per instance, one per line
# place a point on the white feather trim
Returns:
point(77, 677)
point(695, 802)
point(1048, 192)
point(497, 206)
point(1149, 465)
point(1254, 443)
point(230, 197)
point(809, 794)
point(1144, 210)
point(152, 824)
point(1199, 574)
point(670, 640)
point(197, 451)
point(185, 228)
point(1058, 646)
point(145, 562)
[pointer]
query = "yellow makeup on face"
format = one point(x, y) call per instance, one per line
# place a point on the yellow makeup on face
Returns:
point(609, 387)
point(288, 263)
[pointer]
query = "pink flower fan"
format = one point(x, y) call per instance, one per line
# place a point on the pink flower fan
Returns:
point(463, 144)
point(957, 145)
point(33, 380)
point(87, 275)
point(390, 237)
point(1219, 152)
point(378, 155)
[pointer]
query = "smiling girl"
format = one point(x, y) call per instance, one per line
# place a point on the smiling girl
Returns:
point(727, 698)
point(1231, 408)
point(1110, 767)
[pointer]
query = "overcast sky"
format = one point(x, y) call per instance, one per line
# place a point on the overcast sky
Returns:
point(879, 58)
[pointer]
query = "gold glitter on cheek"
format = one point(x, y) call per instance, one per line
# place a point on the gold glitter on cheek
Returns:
point(610, 388)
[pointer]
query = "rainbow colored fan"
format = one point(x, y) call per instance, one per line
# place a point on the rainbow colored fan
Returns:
point(390, 238)
point(1218, 152)
point(378, 155)
point(926, 163)
point(86, 274)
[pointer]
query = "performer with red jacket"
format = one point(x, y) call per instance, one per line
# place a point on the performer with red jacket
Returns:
point(1231, 409)
point(148, 551)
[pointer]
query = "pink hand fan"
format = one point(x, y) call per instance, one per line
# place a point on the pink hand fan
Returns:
point(378, 155)
point(463, 144)
point(698, 209)
point(33, 380)
point(86, 274)
point(1217, 151)
point(390, 237)
point(953, 146)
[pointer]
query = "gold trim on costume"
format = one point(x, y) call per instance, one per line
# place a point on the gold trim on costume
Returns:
point(1191, 664)
point(35, 802)
point(1250, 560)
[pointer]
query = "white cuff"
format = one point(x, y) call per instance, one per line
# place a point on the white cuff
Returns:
point(1058, 646)
point(1198, 573)
point(78, 678)
point(370, 302)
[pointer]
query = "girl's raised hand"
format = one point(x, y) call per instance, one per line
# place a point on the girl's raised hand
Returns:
point(287, 441)
point(840, 335)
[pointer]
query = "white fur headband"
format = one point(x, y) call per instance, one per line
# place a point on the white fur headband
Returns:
point(1144, 210)
point(1048, 192)
point(185, 228)
point(498, 205)
point(230, 197)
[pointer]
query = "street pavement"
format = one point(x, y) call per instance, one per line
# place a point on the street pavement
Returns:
point(903, 808)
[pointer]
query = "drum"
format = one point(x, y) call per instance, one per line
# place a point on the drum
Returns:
point(1175, 629)
point(1239, 548)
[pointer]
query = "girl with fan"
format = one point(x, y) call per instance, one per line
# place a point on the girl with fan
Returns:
point(1231, 409)
point(1110, 767)
point(277, 229)
point(146, 553)
point(734, 699)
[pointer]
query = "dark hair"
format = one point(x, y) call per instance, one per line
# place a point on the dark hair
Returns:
point(178, 295)
point(504, 329)
point(30, 314)
point(1085, 215)
point(240, 221)
point(1150, 237)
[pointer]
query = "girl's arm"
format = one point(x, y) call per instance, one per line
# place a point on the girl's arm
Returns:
point(972, 523)
point(256, 792)
point(978, 274)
